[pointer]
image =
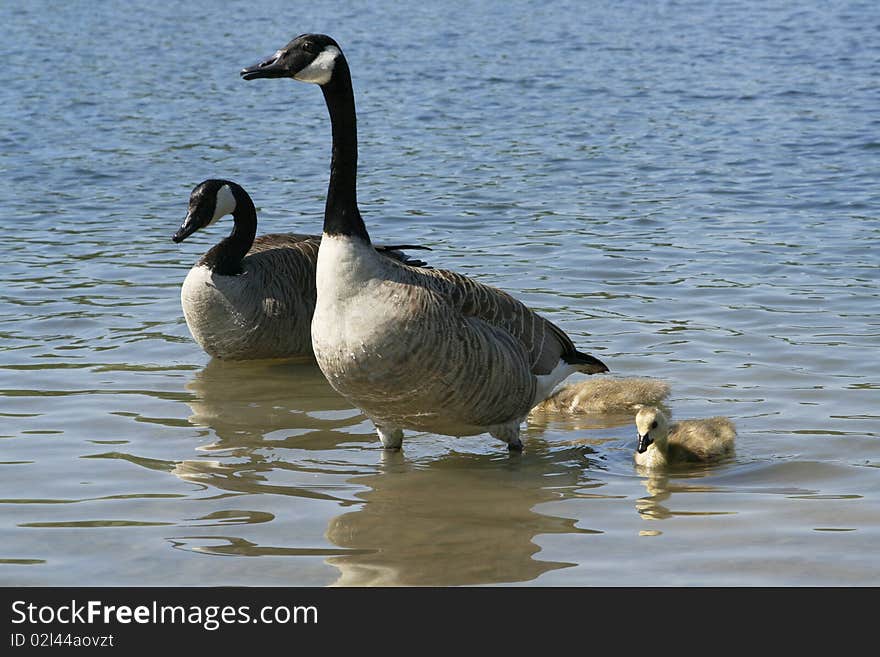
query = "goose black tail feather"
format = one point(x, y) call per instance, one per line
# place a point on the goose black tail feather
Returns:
point(396, 251)
point(586, 363)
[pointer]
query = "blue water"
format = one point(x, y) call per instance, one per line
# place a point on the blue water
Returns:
point(689, 189)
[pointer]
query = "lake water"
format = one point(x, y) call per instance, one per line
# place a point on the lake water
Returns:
point(689, 189)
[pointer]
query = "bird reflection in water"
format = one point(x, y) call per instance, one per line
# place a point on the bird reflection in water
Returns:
point(427, 516)
point(661, 485)
point(255, 411)
point(456, 520)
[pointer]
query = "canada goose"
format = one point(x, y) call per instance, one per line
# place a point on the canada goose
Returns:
point(413, 348)
point(661, 443)
point(248, 297)
point(604, 395)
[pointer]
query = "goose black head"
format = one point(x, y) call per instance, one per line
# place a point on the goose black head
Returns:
point(208, 201)
point(308, 58)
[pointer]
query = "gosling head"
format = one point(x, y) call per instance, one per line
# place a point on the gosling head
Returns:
point(208, 201)
point(653, 427)
point(308, 58)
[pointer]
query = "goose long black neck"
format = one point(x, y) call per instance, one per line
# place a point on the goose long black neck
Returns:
point(226, 256)
point(341, 214)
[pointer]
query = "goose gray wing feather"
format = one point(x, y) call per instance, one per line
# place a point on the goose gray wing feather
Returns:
point(543, 341)
point(308, 246)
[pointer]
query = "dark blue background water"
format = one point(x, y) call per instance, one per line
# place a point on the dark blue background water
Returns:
point(689, 189)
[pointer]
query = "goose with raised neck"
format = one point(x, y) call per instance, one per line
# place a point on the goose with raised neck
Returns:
point(428, 350)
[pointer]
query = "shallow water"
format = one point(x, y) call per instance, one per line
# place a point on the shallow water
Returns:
point(689, 189)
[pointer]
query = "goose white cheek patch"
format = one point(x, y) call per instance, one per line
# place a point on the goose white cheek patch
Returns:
point(321, 69)
point(225, 203)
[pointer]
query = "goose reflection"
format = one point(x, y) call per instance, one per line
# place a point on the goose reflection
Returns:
point(429, 516)
point(660, 487)
point(278, 438)
point(652, 507)
point(245, 402)
point(259, 410)
point(457, 520)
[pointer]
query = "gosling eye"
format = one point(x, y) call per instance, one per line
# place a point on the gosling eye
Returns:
point(654, 424)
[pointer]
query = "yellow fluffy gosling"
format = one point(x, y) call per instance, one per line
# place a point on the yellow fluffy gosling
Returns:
point(662, 443)
point(604, 395)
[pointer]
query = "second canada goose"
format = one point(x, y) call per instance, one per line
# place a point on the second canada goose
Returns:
point(250, 297)
point(662, 443)
point(429, 350)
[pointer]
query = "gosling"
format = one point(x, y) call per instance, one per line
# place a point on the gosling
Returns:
point(605, 395)
point(661, 443)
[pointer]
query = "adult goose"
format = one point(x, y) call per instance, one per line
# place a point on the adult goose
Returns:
point(250, 297)
point(413, 348)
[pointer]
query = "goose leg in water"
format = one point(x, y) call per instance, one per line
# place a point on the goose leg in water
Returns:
point(391, 437)
point(509, 433)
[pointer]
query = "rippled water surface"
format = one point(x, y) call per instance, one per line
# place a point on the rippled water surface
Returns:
point(690, 189)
